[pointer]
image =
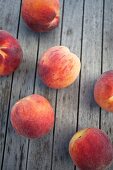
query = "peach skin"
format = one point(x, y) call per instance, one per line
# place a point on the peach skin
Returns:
point(58, 67)
point(91, 149)
point(32, 116)
point(41, 16)
point(103, 91)
point(10, 53)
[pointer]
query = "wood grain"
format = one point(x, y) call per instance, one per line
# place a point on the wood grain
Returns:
point(89, 113)
point(86, 28)
point(23, 82)
point(40, 150)
point(67, 99)
point(91, 63)
point(107, 118)
point(9, 18)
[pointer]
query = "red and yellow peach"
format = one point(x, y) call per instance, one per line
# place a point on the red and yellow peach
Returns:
point(91, 149)
point(41, 16)
point(10, 53)
point(103, 91)
point(32, 116)
point(58, 67)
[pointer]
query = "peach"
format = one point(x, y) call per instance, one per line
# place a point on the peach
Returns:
point(58, 67)
point(103, 91)
point(91, 149)
point(32, 116)
point(10, 53)
point(41, 16)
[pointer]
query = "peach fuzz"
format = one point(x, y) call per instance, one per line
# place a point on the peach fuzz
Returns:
point(32, 116)
point(41, 16)
point(10, 53)
point(91, 149)
point(103, 91)
point(58, 67)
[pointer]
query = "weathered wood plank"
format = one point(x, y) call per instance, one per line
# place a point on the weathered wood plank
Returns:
point(91, 63)
point(107, 118)
point(40, 150)
point(67, 100)
point(9, 16)
point(16, 147)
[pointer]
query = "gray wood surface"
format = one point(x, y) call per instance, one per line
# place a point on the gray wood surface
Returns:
point(67, 99)
point(40, 151)
point(91, 63)
point(86, 27)
point(23, 81)
point(107, 118)
point(9, 18)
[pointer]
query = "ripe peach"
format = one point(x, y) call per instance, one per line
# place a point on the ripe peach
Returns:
point(103, 91)
point(58, 67)
point(10, 53)
point(32, 116)
point(91, 149)
point(41, 16)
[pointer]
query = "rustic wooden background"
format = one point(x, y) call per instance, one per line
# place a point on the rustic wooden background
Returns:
point(86, 27)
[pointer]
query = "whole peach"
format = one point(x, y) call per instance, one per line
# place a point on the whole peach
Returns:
point(58, 67)
point(103, 91)
point(41, 16)
point(91, 149)
point(32, 116)
point(10, 53)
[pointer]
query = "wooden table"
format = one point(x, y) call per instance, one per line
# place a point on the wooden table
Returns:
point(86, 27)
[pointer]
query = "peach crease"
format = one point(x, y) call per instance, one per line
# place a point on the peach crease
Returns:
point(4, 55)
point(109, 100)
